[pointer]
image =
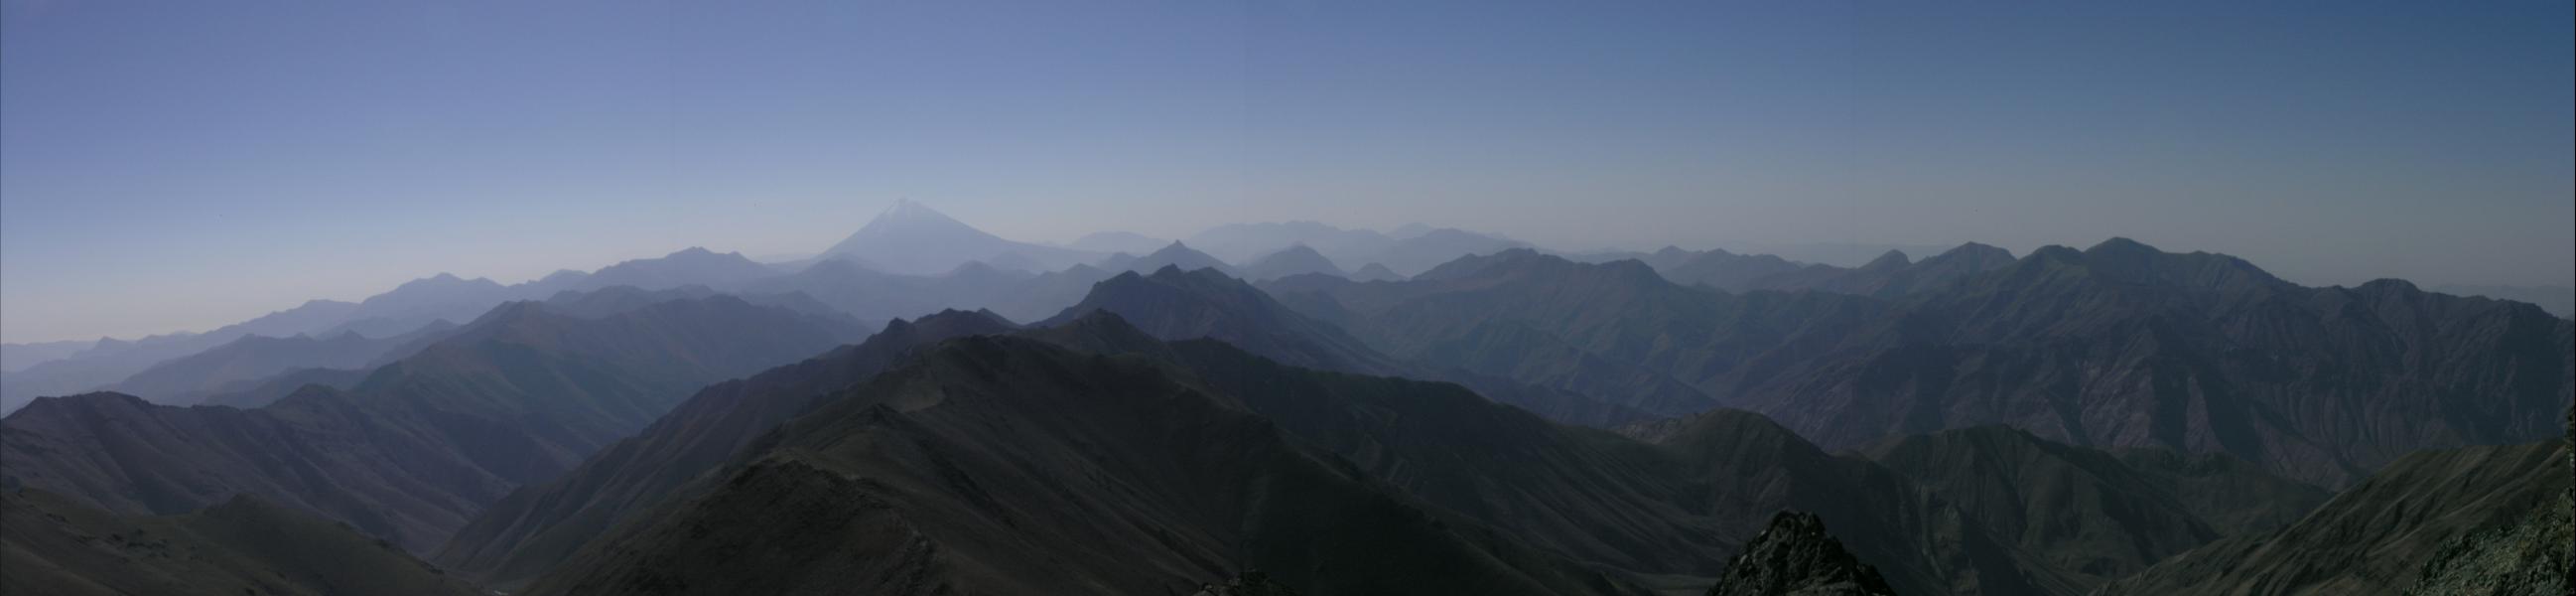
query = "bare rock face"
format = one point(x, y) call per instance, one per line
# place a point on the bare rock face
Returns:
point(1796, 557)
point(1248, 583)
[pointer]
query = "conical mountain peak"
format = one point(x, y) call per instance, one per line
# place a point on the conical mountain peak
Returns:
point(910, 209)
point(913, 239)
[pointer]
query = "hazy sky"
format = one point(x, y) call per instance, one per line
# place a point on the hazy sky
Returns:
point(182, 165)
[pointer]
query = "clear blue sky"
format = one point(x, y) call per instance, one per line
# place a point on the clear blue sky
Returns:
point(181, 165)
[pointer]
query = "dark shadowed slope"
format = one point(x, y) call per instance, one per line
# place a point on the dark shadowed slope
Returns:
point(2124, 345)
point(1593, 495)
point(59, 547)
point(421, 444)
point(2376, 537)
point(1796, 557)
point(1671, 508)
point(1667, 510)
point(539, 525)
point(1001, 465)
point(2093, 514)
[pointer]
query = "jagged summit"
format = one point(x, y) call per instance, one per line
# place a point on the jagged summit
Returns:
point(1796, 557)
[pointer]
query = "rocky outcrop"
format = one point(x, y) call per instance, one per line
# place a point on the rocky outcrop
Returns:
point(1796, 557)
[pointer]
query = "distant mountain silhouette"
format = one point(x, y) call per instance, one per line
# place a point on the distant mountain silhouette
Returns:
point(189, 379)
point(405, 308)
point(2111, 420)
point(621, 299)
point(1892, 274)
point(1177, 304)
point(517, 396)
point(59, 547)
point(912, 239)
point(1411, 249)
point(690, 267)
point(1295, 260)
point(2558, 300)
point(110, 360)
point(1420, 253)
point(1175, 254)
point(1481, 327)
point(874, 296)
point(1375, 272)
point(252, 394)
point(1117, 242)
point(17, 357)
point(1244, 242)
point(1720, 269)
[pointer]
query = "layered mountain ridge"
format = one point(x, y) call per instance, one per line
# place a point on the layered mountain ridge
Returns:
point(2119, 345)
point(420, 444)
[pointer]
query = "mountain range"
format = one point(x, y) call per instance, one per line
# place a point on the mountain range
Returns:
point(885, 443)
point(1257, 419)
point(420, 444)
point(1266, 387)
point(2119, 345)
